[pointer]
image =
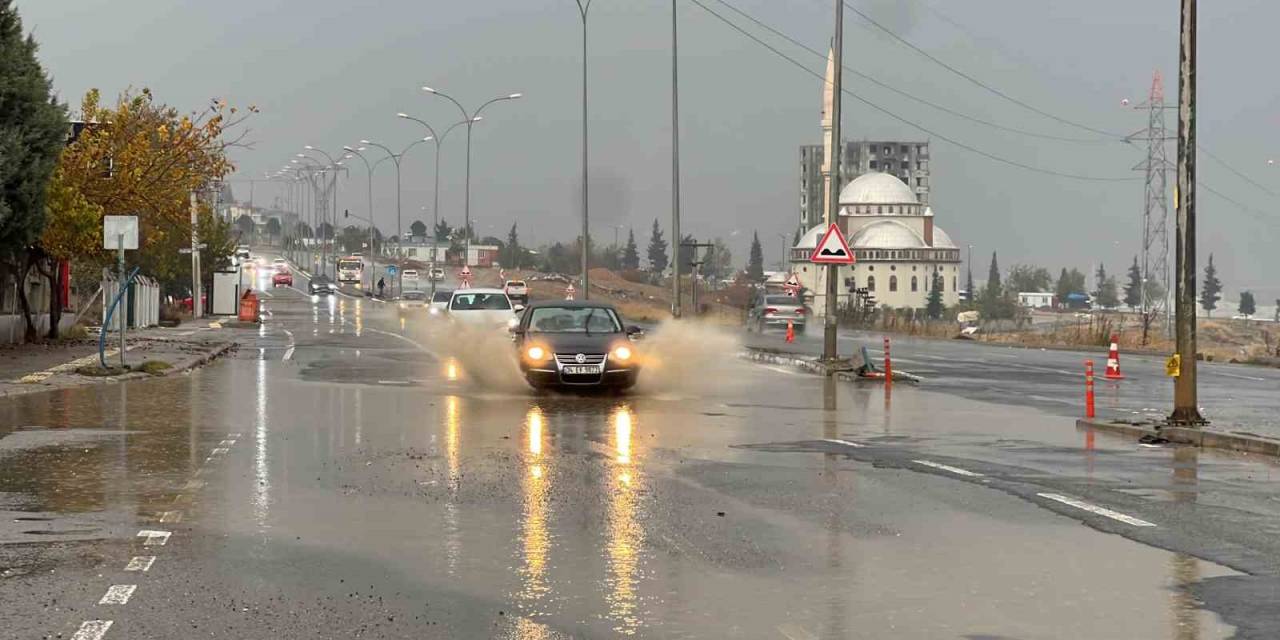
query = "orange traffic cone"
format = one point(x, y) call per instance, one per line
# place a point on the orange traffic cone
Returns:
point(1113, 361)
point(791, 332)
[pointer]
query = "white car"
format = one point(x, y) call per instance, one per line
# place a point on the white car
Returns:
point(482, 308)
point(413, 300)
point(437, 274)
point(280, 264)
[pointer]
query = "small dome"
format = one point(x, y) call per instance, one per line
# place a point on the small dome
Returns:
point(811, 237)
point(888, 234)
point(877, 188)
point(941, 240)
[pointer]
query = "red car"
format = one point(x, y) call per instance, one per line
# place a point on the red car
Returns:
point(282, 278)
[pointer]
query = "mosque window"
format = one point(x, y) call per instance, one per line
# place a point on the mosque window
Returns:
point(915, 284)
point(893, 283)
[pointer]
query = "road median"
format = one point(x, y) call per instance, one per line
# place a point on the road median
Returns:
point(1241, 441)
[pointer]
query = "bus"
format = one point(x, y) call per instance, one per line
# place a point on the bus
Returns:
point(350, 270)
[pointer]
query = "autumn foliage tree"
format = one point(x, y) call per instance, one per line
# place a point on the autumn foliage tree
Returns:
point(142, 158)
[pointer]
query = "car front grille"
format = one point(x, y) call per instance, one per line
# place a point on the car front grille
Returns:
point(572, 358)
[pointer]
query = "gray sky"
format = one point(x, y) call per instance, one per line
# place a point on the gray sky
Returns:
point(330, 73)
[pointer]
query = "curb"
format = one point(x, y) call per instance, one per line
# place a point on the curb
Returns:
point(811, 365)
point(1205, 439)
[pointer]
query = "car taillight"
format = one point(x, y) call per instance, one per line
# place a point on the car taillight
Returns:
point(770, 311)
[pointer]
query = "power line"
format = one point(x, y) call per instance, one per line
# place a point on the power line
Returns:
point(907, 95)
point(1005, 52)
point(976, 81)
point(891, 114)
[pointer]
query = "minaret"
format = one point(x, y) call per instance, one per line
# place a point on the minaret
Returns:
point(827, 98)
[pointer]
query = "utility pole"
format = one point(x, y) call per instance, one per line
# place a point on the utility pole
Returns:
point(583, 6)
point(197, 308)
point(1155, 214)
point(675, 164)
point(694, 263)
point(833, 204)
point(1186, 410)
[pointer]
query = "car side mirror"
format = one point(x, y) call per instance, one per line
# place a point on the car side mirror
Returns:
point(635, 333)
point(518, 308)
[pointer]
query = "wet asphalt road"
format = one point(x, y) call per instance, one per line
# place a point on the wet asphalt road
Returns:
point(350, 473)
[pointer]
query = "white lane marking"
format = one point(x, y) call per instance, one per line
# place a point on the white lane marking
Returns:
point(193, 485)
point(1239, 377)
point(1093, 508)
point(946, 467)
point(781, 370)
point(118, 594)
point(220, 450)
point(400, 337)
point(395, 382)
point(844, 442)
point(140, 563)
point(288, 354)
point(226, 443)
point(171, 516)
point(154, 537)
point(92, 630)
point(233, 435)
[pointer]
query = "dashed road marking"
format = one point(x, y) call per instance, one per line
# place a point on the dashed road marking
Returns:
point(946, 467)
point(118, 594)
point(1095, 509)
point(398, 383)
point(844, 442)
point(154, 538)
point(140, 563)
point(220, 450)
point(92, 630)
point(171, 516)
point(795, 632)
point(226, 443)
point(193, 485)
point(288, 353)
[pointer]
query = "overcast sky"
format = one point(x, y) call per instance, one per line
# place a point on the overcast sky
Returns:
point(329, 73)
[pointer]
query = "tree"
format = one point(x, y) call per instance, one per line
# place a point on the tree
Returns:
point(657, 250)
point(1133, 290)
point(968, 286)
point(443, 231)
point(33, 130)
point(993, 276)
point(273, 229)
point(245, 225)
point(934, 307)
point(417, 229)
point(324, 231)
point(717, 260)
point(1247, 305)
point(513, 254)
point(631, 255)
point(996, 303)
point(1106, 294)
point(1025, 277)
point(1211, 290)
point(72, 222)
point(755, 260)
point(1069, 282)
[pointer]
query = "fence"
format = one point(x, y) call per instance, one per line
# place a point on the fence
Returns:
point(140, 306)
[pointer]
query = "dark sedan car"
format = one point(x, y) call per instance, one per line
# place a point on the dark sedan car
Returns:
point(321, 286)
point(566, 343)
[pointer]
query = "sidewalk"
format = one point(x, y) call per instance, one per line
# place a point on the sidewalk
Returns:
point(33, 368)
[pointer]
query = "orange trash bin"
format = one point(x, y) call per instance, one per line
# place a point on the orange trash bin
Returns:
point(249, 307)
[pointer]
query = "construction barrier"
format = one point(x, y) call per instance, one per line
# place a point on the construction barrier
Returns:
point(1088, 389)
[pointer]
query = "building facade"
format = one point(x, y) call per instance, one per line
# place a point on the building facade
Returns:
point(906, 160)
point(898, 248)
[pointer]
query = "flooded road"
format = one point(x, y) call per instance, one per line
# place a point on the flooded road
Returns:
point(349, 474)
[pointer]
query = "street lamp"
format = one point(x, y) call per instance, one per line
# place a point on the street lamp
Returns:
point(783, 265)
point(333, 164)
point(373, 248)
point(470, 119)
point(396, 158)
point(435, 207)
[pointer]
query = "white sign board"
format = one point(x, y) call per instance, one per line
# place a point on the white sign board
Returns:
point(115, 226)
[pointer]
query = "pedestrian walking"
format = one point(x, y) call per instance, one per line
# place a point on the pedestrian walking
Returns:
point(381, 285)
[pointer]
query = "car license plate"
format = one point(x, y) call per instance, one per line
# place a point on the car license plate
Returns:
point(582, 369)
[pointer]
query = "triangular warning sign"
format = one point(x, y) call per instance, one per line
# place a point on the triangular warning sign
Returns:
point(832, 249)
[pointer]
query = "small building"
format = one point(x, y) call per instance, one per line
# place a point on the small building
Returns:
point(1035, 299)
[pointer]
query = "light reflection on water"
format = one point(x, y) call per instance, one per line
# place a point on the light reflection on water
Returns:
point(624, 531)
point(262, 490)
point(534, 534)
point(453, 533)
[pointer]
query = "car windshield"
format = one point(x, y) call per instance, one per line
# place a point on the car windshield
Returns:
point(781, 300)
point(516, 283)
point(480, 302)
point(414, 295)
point(442, 296)
point(574, 320)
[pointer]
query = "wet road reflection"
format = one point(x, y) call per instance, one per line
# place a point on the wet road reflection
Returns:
point(624, 530)
point(535, 534)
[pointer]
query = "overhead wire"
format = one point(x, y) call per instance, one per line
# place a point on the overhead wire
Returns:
point(924, 101)
point(891, 114)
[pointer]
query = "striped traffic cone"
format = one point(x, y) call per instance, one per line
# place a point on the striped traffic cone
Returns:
point(1113, 361)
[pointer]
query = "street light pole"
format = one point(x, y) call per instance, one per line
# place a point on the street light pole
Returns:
point(435, 206)
point(373, 248)
point(783, 265)
point(833, 212)
point(675, 165)
point(396, 158)
point(583, 7)
point(470, 120)
point(1186, 410)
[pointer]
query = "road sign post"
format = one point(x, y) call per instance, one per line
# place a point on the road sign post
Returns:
point(120, 233)
point(832, 251)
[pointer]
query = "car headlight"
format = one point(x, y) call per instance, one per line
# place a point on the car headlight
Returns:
point(435, 311)
point(404, 306)
point(513, 323)
point(622, 353)
point(537, 354)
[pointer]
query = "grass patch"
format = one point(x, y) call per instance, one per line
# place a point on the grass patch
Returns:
point(153, 367)
point(95, 371)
